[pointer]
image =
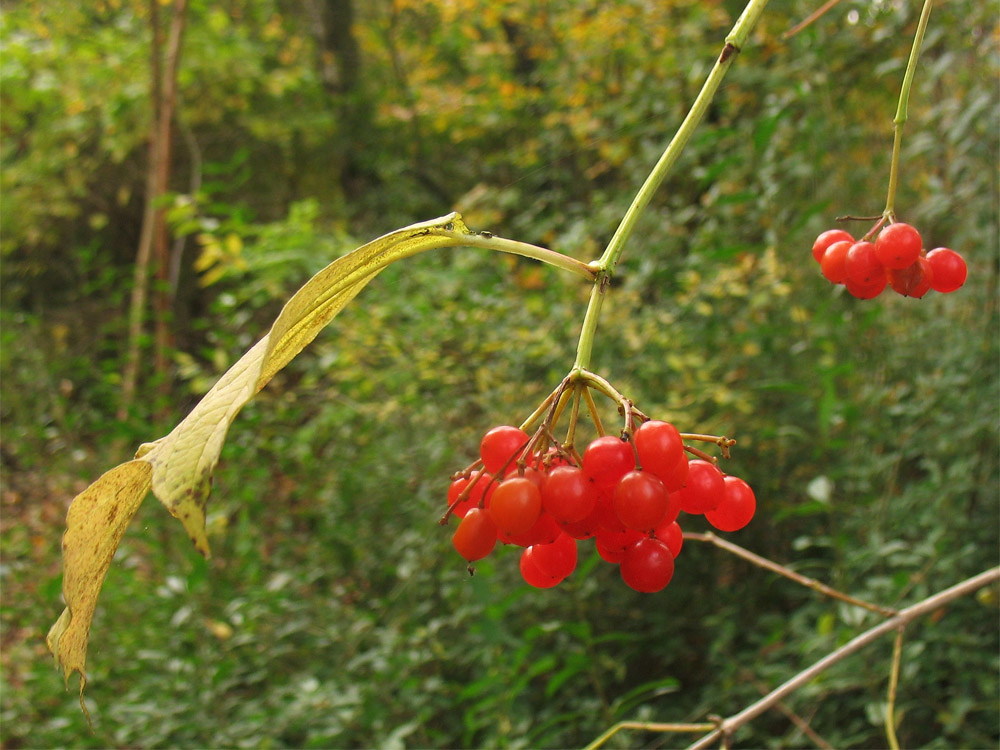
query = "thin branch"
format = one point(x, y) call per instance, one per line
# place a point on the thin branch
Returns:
point(890, 720)
point(647, 726)
point(923, 607)
point(811, 18)
point(781, 570)
point(801, 724)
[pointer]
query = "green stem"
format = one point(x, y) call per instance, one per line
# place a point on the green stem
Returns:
point(500, 244)
point(605, 266)
point(901, 109)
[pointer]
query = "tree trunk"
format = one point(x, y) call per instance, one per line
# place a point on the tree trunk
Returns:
point(153, 239)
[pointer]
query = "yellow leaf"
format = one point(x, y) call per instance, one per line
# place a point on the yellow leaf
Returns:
point(184, 460)
point(95, 523)
point(179, 466)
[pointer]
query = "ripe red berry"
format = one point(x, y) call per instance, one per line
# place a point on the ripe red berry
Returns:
point(704, 488)
point(568, 495)
point(898, 245)
point(737, 507)
point(543, 531)
point(515, 505)
point(456, 488)
point(949, 269)
point(641, 501)
point(611, 545)
point(826, 239)
point(607, 459)
point(647, 565)
point(499, 446)
point(913, 281)
point(557, 559)
point(867, 291)
point(532, 575)
point(671, 535)
point(475, 536)
point(834, 260)
point(661, 451)
point(863, 266)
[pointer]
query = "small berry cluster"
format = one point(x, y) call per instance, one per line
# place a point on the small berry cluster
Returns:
point(626, 494)
point(897, 258)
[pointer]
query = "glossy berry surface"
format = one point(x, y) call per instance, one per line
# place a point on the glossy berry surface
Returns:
point(862, 265)
point(532, 575)
point(515, 505)
point(661, 452)
point(557, 559)
point(568, 495)
point(704, 488)
point(640, 501)
point(476, 535)
point(671, 535)
point(737, 507)
point(913, 281)
point(499, 446)
point(607, 459)
point(647, 565)
point(949, 269)
point(898, 245)
point(834, 262)
point(826, 239)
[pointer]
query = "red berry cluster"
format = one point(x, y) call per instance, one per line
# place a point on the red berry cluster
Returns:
point(896, 258)
point(626, 494)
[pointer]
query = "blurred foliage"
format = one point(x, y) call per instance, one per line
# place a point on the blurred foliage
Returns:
point(334, 612)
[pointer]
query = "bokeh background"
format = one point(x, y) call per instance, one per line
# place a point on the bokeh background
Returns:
point(334, 612)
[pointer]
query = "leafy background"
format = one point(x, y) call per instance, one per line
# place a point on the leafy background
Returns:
point(334, 612)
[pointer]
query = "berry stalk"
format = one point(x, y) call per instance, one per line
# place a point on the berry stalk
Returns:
point(901, 109)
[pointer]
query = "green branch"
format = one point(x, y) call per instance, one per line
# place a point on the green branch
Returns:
point(901, 110)
point(605, 266)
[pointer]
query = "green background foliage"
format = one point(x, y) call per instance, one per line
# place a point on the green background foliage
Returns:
point(334, 611)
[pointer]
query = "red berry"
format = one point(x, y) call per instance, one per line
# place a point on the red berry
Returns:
point(544, 531)
point(737, 507)
point(898, 245)
point(532, 575)
point(529, 472)
point(671, 535)
point(647, 565)
point(913, 281)
point(475, 494)
point(500, 445)
point(475, 536)
point(557, 559)
point(515, 505)
point(568, 495)
point(826, 239)
point(607, 459)
point(834, 260)
point(611, 545)
point(661, 451)
point(704, 488)
point(584, 528)
point(949, 269)
point(863, 266)
point(867, 291)
point(641, 501)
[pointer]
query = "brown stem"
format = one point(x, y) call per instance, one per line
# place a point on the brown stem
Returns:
point(647, 726)
point(923, 607)
point(801, 724)
point(812, 17)
point(781, 570)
